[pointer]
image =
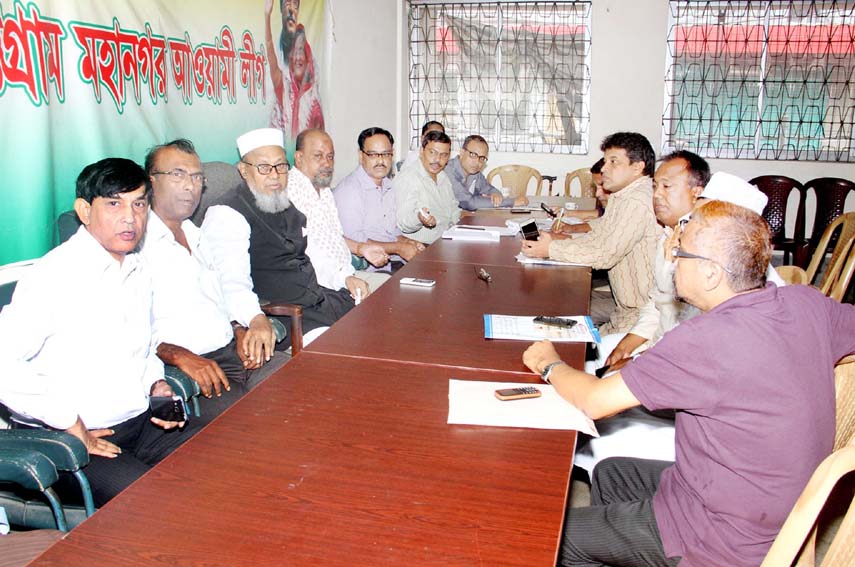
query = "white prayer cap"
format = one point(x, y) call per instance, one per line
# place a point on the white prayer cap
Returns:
point(259, 138)
point(727, 187)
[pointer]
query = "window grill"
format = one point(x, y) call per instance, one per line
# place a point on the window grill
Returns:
point(761, 79)
point(518, 73)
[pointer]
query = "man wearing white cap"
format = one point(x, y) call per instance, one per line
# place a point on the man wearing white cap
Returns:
point(680, 180)
point(258, 215)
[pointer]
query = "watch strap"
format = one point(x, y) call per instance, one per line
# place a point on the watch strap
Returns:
point(547, 370)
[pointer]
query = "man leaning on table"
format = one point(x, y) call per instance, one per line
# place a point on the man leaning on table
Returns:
point(366, 201)
point(471, 188)
point(78, 353)
point(752, 383)
point(424, 198)
point(623, 240)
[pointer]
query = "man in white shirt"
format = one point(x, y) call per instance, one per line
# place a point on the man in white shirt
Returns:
point(77, 340)
point(217, 336)
point(257, 216)
point(330, 251)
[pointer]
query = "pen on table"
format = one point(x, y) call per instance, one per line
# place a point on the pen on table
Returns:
point(358, 296)
point(463, 226)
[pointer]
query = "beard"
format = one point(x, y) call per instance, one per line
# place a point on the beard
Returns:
point(323, 179)
point(271, 203)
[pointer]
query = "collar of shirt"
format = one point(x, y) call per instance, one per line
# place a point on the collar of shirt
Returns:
point(98, 259)
point(366, 182)
point(455, 169)
point(641, 183)
point(157, 230)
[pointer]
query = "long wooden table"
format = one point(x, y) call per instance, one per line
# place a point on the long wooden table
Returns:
point(332, 464)
point(444, 325)
point(344, 456)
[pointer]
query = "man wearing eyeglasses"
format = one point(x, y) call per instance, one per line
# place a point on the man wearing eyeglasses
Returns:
point(424, 199)
point(218, 336)
point(258, 216)
point(751, 381)
point(366, 202)
point(471, 188)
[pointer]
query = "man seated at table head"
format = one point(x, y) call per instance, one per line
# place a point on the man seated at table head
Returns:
point(77, 352)
point(366, 201)
point(429, 126)
point(217, 336)
point(257, 215)
point(752, 383)
point(471, 188)
point(623, 240)
point(425, 201)
point(329, 250)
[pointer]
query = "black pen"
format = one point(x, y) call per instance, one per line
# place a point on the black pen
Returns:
point(471, 227)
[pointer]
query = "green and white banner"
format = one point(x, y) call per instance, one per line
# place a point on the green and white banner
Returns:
point(85, 80)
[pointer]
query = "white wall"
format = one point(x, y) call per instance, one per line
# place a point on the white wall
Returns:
point(627, 74)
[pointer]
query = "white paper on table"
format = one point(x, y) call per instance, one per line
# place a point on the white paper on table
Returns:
point(523, 328)
point(475, 403)
point(470, 235)
point(501, 230)
point(523, 259)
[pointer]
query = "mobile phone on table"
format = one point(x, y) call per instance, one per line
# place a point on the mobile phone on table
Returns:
point(555, 321)
point(548, 210)
point(529, 230)
point(518, 393)
point(418, 282)
point(168, 408)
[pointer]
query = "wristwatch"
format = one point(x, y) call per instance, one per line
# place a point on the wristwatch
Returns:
point(547, 370)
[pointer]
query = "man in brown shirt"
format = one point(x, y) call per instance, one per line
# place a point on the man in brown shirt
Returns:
point(623, 240)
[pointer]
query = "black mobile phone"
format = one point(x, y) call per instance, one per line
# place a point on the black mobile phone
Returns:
point(518, 393)
point(554, 321)
point(168, 408)
point(529, 230)
point(548, 210)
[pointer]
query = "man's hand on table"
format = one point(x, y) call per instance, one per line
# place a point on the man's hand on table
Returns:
point(537, 248)
point(538, 355)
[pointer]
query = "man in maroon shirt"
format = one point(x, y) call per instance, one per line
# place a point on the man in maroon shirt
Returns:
point(752, 384)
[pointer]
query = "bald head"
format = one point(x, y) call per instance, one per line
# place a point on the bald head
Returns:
point(315, 157)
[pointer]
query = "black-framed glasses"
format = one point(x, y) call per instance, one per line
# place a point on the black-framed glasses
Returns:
point(267, 169)
point(381, 155)
point(180, 176)
point(677, 252)
point(473, 155)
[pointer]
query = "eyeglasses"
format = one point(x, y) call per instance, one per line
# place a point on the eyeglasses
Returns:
point(267, 169)
point(381, 155)
point(180, 176)
point(677, 252)
point(473, 155)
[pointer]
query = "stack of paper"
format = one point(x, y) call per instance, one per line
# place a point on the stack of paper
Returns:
point(523, 259)
point(525, 329)
point(474, 403)
point(473, 234)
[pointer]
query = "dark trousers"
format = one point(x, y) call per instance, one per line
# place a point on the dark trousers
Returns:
point(240, 379)
point(619, 528)
point(143, 445)
point(333, 306)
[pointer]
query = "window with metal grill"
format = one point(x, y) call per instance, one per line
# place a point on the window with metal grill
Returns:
point(761, 79)
point(517, 73)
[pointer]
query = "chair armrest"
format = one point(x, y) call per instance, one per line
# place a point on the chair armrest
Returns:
point(67, 452)
point(183, 386)
point(295, 314)
point(27, 468)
